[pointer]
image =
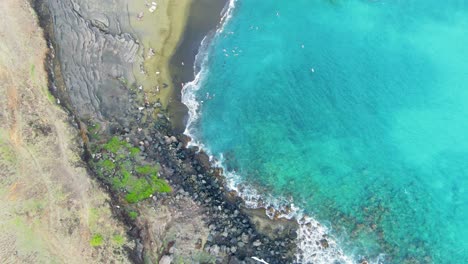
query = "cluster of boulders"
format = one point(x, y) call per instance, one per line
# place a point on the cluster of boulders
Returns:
point(232, 233)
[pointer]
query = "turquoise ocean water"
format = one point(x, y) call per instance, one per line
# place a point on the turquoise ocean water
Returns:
point(356, 110)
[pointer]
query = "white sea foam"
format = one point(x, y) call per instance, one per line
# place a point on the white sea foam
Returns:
point(310, 231)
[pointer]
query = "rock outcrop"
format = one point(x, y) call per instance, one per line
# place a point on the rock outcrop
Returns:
point(96, 55)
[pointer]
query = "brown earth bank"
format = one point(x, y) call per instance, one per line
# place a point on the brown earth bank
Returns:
point(95, 49)
point(51, 210)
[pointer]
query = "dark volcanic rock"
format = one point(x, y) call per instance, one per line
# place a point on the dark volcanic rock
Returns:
point(96, 57)
point(324, 243)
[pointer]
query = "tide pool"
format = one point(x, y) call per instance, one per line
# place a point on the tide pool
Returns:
point(357, 110)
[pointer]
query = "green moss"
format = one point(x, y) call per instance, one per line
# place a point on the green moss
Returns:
point(115, 144)
point(107, 165)
point(118, 240)
point(127, 165)
point(134, 151)
point(121, 182)
point(139, 190)
point(97, 240)
point(146, 170)
point(160, 185)
point(117, 183)
point(50, 96)
point(143, 188)
point(133, 215)
point(121, 167)
point(93, 130)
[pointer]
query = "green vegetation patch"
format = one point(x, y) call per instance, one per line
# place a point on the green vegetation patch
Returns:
point(115, 144)
point(93, 130)
point(96, 241)
point(50, 96)
point(146, 170)
point(134, 151)
point(118, 240)
point(122, 168)
point(143, 188)
point(107, 164)
point(133, 215)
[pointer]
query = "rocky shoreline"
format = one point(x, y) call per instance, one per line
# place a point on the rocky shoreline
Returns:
point(88, 84)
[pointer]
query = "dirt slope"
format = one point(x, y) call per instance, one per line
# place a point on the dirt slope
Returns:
point(50, 209)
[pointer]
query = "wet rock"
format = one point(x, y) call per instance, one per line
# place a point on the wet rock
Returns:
point(324, 243)
point(184, 139)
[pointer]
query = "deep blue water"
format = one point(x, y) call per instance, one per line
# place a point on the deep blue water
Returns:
point(358, 110)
